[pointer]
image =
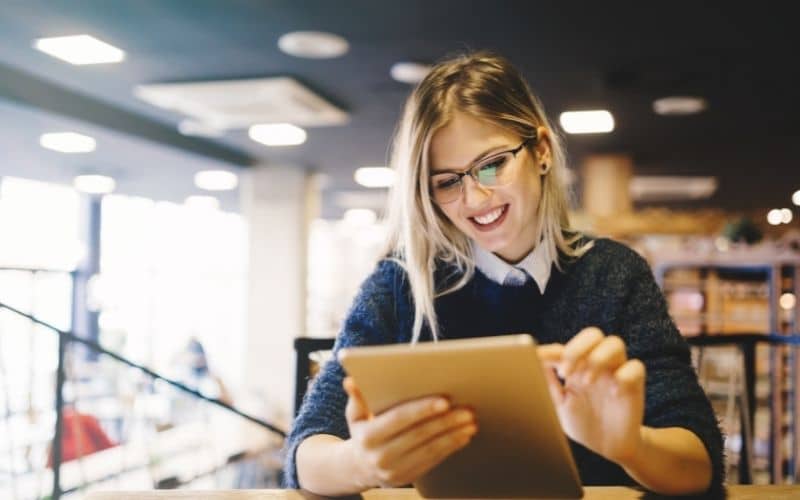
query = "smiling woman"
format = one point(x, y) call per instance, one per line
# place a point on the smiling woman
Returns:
point(480, 245)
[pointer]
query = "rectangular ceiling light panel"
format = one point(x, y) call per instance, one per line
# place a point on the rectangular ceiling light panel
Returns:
point(238, 104)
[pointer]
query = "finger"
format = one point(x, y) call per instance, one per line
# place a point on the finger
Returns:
point(578, 348)
point(424, 458)
point(356, 408)
point(394, 420)
point(550, 354)
point(554, 385)
point(630, 377)
point(417, 435)
point(607, 356)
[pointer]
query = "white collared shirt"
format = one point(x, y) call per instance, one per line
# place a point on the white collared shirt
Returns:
point(537, 264)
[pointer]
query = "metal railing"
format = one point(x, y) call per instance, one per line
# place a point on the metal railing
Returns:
point(65, 338)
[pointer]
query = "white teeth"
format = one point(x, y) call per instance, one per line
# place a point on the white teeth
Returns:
point(490, 217)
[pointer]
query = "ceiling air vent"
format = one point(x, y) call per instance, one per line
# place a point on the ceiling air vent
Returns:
point(238, 104)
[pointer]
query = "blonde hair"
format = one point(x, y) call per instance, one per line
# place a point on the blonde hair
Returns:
point(487, 87)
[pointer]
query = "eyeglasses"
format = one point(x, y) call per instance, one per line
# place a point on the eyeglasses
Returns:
point(491, 172)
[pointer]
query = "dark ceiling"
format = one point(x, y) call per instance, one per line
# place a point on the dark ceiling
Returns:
point(615, 55)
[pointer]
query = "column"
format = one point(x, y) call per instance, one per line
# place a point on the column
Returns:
point(278, 203)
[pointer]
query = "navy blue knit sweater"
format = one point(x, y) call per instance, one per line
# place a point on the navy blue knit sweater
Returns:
point(610, 287)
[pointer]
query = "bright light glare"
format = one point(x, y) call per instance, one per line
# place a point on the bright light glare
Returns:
point(67, 142)
point(774, 217)
point(374, 177)
point(277, 134)
point(80, 49)
point(788, 301)
point(94, 184)
point(796, 198)
point(202, 202)
point(360, 216)
point(216, 180)
point(587, 122)
point(786, 215)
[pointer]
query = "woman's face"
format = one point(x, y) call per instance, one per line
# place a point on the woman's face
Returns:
point(507, 213)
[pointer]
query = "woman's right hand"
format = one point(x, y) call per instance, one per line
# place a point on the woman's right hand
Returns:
point(404, 442)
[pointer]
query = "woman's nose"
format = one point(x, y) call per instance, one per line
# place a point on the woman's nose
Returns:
point(474, 193)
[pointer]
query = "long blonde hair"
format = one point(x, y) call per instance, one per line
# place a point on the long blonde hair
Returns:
point(487, 87)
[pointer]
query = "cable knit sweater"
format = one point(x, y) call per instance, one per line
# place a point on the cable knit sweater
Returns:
point(610, 287)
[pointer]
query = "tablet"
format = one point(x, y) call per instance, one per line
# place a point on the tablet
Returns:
point(520, 449)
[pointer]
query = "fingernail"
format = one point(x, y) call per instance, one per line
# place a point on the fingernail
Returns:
point(464, 416)
point(441, 405)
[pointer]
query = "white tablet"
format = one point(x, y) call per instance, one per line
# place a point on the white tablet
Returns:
point(520, 449)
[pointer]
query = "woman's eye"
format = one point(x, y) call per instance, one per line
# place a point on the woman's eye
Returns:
point(447, 183)
point(493, 164)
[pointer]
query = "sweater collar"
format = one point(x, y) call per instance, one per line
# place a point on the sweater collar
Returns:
point(537, 264)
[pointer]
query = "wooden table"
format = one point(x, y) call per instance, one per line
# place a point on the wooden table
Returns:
point(739, 492)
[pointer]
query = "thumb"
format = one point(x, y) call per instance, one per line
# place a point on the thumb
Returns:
point(356, 406)
point(556, 389)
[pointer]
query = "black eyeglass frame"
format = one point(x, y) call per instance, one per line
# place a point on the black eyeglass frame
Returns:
point(471, 171)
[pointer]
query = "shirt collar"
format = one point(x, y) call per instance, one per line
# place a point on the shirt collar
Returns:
point(537, 264)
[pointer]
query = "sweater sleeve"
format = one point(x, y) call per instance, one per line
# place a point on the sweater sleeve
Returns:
point(370, 320)
point(673, 395)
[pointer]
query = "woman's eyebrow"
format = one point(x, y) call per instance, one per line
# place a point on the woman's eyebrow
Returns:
point(485, 153)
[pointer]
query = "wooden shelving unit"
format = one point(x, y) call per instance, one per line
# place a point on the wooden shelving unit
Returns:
point(740, 299)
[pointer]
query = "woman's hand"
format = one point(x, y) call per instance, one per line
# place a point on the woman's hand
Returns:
point(401, 444)
point(601, 402)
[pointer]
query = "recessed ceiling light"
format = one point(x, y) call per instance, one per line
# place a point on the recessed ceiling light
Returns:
point(774, 217)
point(277, 134)
point(375, 177)
point(216, 180)
point(313, 44)
point(67, 142)
point(409, 72)
point(80, 49)
point(587, 122)
point(786, 215)
point(796, 198)
point(94, 184)
point(679, 105)
point(202, 202)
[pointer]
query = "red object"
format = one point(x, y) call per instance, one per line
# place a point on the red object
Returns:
point(81, 436)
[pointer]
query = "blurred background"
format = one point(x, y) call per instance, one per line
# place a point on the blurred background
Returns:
point(191, 192)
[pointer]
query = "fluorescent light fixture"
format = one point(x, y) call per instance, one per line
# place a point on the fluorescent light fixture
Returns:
point(67, 142)
point(786, 215)
point(202, 202)
point(94, 184)
point(216, 180)
point(313, 44)
point(587, 122)
point(679, 105)
point(277, 134)
point(661, 188)
point(409, 72)
point(374, 177)
point(80, 49)
point(774, 217)
point(796, 198)
point(360, 217)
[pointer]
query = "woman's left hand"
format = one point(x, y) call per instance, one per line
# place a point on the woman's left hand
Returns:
point(601, 402)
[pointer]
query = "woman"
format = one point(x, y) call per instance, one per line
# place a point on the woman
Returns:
point(480, 245)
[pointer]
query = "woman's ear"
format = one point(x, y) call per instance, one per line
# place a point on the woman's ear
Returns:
point(542, 152)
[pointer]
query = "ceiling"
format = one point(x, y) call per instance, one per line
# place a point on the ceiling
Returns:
point(615, 55)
